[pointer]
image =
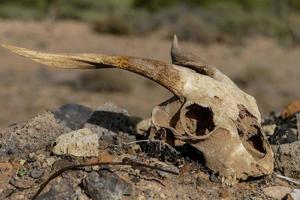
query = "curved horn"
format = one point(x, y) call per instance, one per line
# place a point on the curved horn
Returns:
point(163, 73)
point(180, 57)
point(189, 60)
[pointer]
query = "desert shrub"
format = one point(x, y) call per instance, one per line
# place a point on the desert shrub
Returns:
point(192, 26)
point(113, 24)
point(197, 20)
point(139, 22)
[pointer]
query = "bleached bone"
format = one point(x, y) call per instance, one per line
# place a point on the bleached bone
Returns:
point(208, 111)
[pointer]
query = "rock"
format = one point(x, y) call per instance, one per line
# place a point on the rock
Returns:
point(73, 116)
point(61, 190)
point(36, 173)
point(268, 130)
point(77, 143)
point(162, 196)
point(32, 157)
point(31, 136)
point(22, 183)
point(285, 131)
point(6, 171)
point(277, 192)
point(6, 193)
point(287, 159)
point(113, 119)
point(50, 161)
point(106, 185)
point(295, 194)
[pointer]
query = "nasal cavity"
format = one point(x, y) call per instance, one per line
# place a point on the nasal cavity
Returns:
point(199, 119)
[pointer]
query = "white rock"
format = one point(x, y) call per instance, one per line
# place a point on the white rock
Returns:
point(296, 194)
point(268, 130)
point(81, 142)
point(277, 192)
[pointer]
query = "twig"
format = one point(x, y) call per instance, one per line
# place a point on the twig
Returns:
point(73, 167)
point(297, 182)
point(137, 141)
point(148, 179)
point(149, 140)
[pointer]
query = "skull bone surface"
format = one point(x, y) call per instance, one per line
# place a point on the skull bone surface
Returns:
point(208, 111)
point(217, 118)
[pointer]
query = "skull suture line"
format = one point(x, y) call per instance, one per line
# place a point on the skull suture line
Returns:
point(208, 111)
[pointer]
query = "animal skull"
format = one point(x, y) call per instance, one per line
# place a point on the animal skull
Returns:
point(208, 111)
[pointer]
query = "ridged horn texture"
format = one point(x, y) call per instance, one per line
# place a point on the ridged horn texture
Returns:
point(163, 73)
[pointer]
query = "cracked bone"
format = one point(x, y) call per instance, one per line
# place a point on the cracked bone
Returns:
point(208, 111)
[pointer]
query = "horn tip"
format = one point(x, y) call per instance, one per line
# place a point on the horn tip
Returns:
point(6, 46)
point(11, 47)
point(175, 41)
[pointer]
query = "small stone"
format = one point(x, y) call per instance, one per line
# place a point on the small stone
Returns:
point(214, 178)
point(22, 162)
point(95, 167)
point(32, 157)
point(148, 194)
point(277, 192)
point(6, 171)
point(61, 190)
point(163, 196)
point(40, 157)
point(36, 173)
point(295, 194)
point(106, 185)
point(77, 143)
point(6, 193)
point(50, 161)
point(21, 183)
point(268, 130)
point(83, 197)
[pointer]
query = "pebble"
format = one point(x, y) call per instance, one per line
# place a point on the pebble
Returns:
point(277, 192)
point(50, 161)
point(21, 183)
point(106, 185)
point(163, 196)
point(6, 171)
point(36, 173)
point(295, 194)
point(268, 130)
point(60, 190)
point(32, 157)
point(40, 157)
point(5, 193)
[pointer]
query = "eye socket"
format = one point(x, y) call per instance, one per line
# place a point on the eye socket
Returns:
point(198, 120)
point(250, 134)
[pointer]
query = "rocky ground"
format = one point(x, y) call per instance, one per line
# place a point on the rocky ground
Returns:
point(74, 134)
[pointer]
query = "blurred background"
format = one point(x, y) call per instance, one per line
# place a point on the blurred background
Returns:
point(255, 42)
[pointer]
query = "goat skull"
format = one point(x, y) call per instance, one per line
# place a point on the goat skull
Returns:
point(208, 111)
